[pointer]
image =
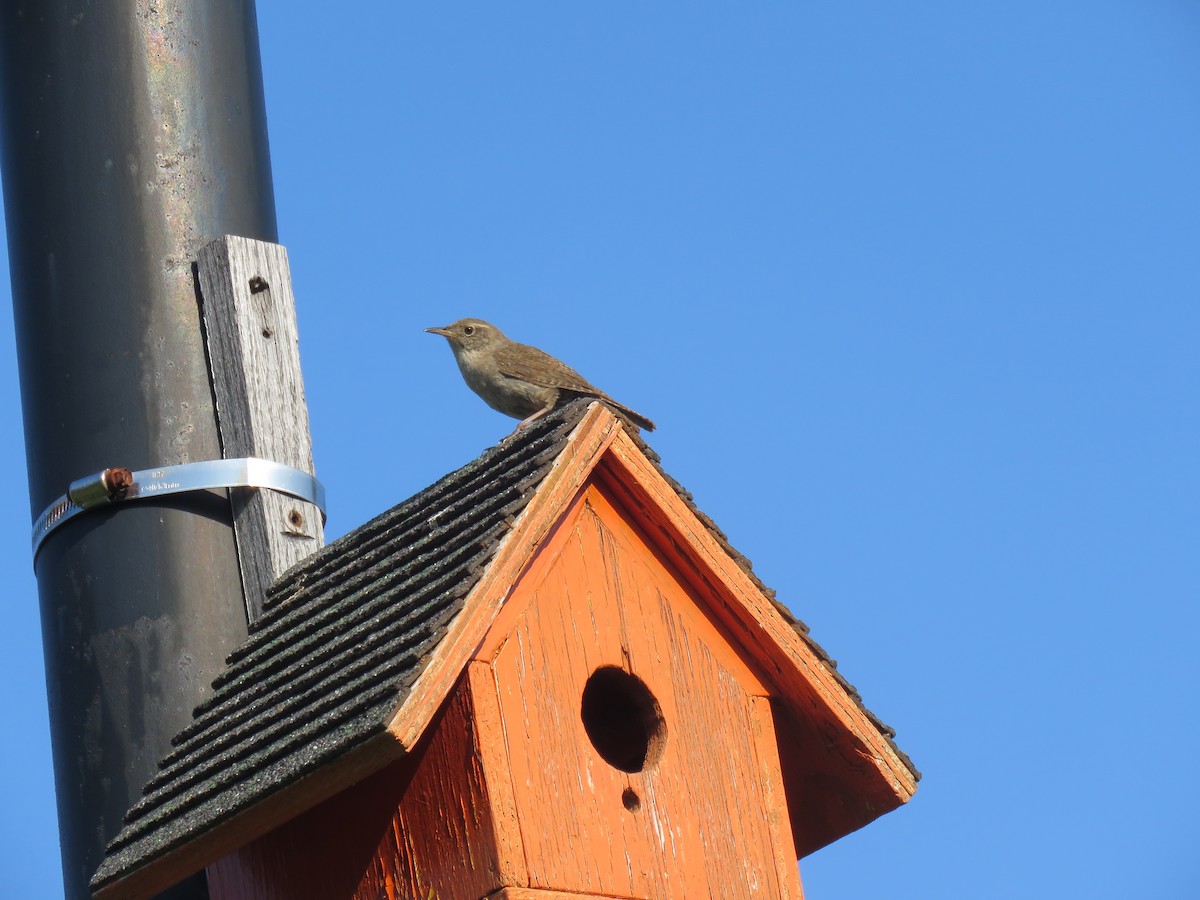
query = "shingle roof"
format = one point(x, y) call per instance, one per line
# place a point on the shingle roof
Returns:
point(344, 636)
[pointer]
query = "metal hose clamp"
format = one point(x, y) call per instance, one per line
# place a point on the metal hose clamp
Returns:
point(120, 485)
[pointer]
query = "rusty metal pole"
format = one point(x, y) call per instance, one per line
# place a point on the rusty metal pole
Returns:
point(134, 133)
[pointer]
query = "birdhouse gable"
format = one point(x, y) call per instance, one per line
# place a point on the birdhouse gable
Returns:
point(628, 720)
point(566, 591)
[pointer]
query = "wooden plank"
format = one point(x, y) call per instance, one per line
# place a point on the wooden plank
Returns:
point(593, 500)
point(254, 361)
point(492, 747)
point(693, 821)
point(553, 496)
point(753, 618)
point(514, 605)
point(441, 842)
point(765, 746)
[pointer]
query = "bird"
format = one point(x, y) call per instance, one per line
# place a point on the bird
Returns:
point(516, 379)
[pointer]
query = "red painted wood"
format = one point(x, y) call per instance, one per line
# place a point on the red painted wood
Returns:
point(441, 842)
point(696, 821)
point(322, 854)
point(840, 772)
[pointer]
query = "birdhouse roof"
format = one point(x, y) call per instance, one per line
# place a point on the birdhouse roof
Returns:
point(361, 643)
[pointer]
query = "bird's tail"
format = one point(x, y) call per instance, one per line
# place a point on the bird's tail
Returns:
point(629, 415)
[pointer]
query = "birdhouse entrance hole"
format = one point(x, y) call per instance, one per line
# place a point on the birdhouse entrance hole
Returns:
point(622, 719)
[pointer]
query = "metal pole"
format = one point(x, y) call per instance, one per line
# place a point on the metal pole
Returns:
point(134, 133)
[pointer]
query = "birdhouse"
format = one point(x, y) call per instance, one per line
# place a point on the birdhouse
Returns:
point(547, 675)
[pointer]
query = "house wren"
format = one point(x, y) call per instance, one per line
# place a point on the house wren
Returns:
point(516, 379)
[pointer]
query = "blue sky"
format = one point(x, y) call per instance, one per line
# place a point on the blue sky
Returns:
point(912, 294)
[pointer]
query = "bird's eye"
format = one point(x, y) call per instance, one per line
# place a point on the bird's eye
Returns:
point(468, 329)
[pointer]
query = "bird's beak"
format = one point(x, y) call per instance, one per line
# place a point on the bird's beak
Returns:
point(444, 332)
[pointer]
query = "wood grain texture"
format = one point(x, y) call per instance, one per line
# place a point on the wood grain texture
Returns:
point(254, 361)
point(764, 745)
point(554, 495)
point(830, 719)
point(441, 842)
point(493, 755)
point(700, 826)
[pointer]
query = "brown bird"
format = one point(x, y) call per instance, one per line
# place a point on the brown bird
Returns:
point(516, 379)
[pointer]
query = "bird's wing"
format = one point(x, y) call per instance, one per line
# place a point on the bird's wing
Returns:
point(535, 366)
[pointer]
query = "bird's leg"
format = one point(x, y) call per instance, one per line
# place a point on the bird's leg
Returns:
point(531, 419)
